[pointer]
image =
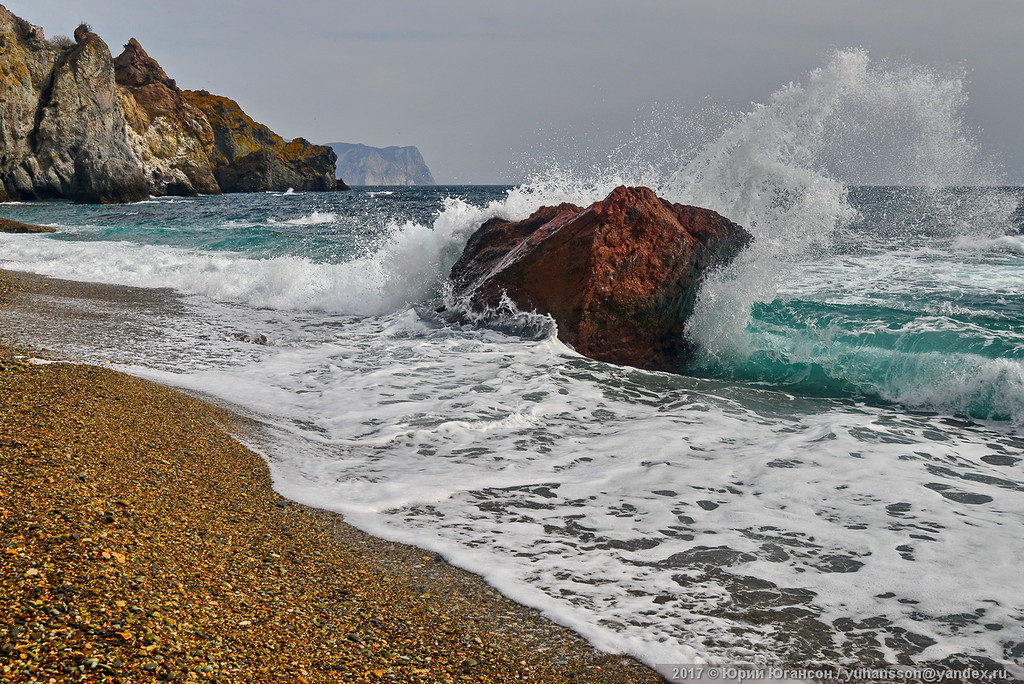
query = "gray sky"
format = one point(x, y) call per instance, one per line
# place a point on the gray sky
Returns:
point(484, 87)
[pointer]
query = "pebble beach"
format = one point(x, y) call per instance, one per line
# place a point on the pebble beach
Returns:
point(140, 541)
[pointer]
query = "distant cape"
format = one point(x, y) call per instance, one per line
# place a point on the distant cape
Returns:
point(365, 165)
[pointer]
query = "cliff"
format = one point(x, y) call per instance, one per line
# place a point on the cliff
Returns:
point(62, 129)
point(169, 134)
point(248, 157)
point(365, 165)
point(77, 123)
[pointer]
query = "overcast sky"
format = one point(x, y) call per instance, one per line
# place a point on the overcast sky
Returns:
point(485, 88)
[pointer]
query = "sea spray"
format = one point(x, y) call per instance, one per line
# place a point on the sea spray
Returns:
point(779, 171)
point(365, 270)
point(782, 170)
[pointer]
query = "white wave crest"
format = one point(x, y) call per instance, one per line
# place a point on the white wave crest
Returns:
point(779, 172)
point(1011, 244)
point(317, 218)
point(408, 266)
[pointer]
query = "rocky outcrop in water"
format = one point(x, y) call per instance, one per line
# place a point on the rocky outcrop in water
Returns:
point(249, 157)
point(12, 226)
point(619, 278)
point(77, 123)
point(365, 165)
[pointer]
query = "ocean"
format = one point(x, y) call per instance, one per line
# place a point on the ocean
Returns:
point(837, 477)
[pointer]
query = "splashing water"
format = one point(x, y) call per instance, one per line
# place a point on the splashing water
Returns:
point(780, 173)
point(783, 171)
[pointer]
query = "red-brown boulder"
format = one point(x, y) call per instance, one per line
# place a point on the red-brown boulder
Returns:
point(619, 278)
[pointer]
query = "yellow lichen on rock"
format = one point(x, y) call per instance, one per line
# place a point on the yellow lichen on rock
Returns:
point(249, 157)
point(171, 136)
point(62, 133)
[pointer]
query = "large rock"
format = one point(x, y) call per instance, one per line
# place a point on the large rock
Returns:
point(101, 179)
point(619, 278)
point(61, 112)
point(12, 226)
point(170, 134)
point(249, 157)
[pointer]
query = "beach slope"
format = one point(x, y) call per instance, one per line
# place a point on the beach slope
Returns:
point(139, 540)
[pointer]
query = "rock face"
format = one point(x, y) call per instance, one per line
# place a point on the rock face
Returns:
point(365, 165)
point(619, 278)
point(61, 115)
point(169, 134)
point(249, 157)
point(76, 123)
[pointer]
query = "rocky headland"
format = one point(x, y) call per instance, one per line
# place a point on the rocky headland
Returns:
point(174, 139)
point(365, 165)
point(620, 278)
point(247, 155)
point(76, 122)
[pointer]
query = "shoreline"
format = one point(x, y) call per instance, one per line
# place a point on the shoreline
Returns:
point(142, 540)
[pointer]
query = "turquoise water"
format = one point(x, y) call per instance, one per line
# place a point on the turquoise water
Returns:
point(907, 307)
point(904, 308)
point(262, 226)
